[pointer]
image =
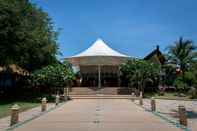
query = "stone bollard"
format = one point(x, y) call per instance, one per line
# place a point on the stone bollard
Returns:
point(63, 98)
point(132, 96)
point(14, 114)
point(141, 94)
point(65, 94)
point(57, 100)
point(153, 104)
point(44, 104)
point(182, 115)
point(141, 101)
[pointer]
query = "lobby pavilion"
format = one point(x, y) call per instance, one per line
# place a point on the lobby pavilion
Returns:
point(98, 66)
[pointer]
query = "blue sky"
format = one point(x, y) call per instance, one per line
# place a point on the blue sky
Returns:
point(133, 27)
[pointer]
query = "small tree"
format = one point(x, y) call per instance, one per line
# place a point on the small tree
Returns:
point(170, 74)
point(139, 72)
point(54, 76)
point(191, 80)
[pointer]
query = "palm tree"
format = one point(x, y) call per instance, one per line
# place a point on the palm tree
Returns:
point(183, 54)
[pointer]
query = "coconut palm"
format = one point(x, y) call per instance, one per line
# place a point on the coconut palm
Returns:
point(183, 53)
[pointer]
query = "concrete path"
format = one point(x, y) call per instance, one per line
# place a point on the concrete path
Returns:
point(98, 115)
point(5, 122)
point(169, 108)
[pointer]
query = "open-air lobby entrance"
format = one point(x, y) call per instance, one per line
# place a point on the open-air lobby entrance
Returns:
point(98, 115)
point(98, 66)
point(98, 69)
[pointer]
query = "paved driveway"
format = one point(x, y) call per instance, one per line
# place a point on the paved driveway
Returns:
point(98, 115)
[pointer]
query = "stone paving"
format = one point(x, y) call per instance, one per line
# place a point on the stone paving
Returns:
point(5, 122)
point(169, 108)
point(98, 115)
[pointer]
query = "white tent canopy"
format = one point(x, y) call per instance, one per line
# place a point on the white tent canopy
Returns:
point(100, 48)
point(99, 53)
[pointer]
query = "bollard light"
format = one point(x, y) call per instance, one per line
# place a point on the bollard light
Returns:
point(182, 115)
point(65, 94)
point(57, 99)
point(153, 104)
point(132, 96)
point(141, 101)
point(14, 114)
point(141, 94)
point(43, 104)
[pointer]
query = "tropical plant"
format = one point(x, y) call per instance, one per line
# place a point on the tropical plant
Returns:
point(193, 90)
point(139, 72)
point(54, 76)
point(183, 54)
point(188, 82)
point(27, 35)
point(170, 74)
point(180, 84)
point(194, 71)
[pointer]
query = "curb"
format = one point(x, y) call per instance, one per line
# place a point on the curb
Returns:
point(174, 123)
point(34, 117)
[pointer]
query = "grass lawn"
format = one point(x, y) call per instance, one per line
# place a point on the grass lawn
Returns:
point(167, 95)
point(6, 105)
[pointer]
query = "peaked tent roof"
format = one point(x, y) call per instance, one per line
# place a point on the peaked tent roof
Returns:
point(100, 48)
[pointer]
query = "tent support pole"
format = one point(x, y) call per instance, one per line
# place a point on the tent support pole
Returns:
point(99, 76)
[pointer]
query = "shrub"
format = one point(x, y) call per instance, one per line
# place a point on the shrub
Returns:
point(54, 76)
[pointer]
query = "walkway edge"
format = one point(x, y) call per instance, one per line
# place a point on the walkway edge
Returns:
point(174, 123)
point(34, 117)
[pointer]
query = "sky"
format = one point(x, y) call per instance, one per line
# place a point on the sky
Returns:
point(132, 27)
